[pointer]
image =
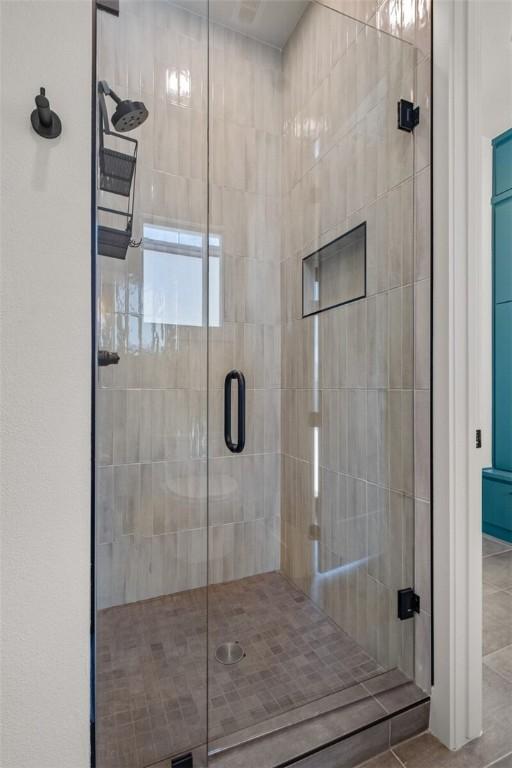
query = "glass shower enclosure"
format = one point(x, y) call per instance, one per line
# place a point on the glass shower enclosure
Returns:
point(255, 435)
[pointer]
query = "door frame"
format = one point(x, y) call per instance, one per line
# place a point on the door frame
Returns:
point(461, 345)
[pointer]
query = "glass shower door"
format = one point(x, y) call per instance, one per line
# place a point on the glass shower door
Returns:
point(151, 501)
point(311, 265)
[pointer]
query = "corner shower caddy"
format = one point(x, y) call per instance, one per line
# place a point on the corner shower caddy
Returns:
point(117, 176)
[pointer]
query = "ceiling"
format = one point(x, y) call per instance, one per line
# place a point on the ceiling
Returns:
point(271, 21)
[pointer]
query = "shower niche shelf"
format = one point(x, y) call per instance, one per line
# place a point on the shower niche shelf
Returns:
point(336, 273)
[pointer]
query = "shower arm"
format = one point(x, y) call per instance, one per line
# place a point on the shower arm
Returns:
point(103, 113)
point(105, 90)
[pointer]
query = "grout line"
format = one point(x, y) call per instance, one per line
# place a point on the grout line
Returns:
point(498, 760)
point(495, 586)
point(499, 650)
point(397, 758)
point(505, 679)
point(489, 537)
point(370, 22)
point(506, 546)
point(496, 554)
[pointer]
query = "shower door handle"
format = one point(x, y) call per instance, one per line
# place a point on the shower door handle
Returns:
point(240, 444)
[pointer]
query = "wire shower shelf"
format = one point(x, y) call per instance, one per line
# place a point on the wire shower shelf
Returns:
point(116, 171)
point(116, 176)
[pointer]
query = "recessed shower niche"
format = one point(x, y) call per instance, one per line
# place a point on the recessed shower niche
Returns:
point(336, 273)
point(270, 163)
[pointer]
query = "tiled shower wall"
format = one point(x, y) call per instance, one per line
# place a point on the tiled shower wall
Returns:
point(245, 197)
point(355, 379)
point(411, 20)
point(151, 420)
point(152, 406)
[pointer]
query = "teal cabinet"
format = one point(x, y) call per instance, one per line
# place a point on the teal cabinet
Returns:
point(497, 504)
point(497, 481)
point(502, 216)
point(502, 149)
point(503, 386)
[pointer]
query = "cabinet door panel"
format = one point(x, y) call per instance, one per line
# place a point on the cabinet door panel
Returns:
point(497, 503)
point(503, 167)
point(503, 250)
point(503, 387)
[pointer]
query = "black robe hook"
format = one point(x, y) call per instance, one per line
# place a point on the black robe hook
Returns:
point(45, 122)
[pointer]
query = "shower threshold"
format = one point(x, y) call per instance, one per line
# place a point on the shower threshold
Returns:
point(349, 726)
point(388, 708)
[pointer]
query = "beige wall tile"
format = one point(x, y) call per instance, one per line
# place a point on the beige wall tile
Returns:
point(378, 446)
point(105, 505)
point(356, 344)
point(422, 581)
point(422, 39)
point(356, 438)
point(422, 334)
point(422, 443)
point(422, 647)
point(422, 215)
point(378, 341)
point(423, 100)
point(372, 435)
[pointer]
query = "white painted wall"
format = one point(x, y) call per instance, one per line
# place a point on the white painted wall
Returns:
point(45, 386)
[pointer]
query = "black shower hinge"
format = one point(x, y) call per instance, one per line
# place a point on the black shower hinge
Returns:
point(183, 761)
point(408, 603)
point(478, 438)
point(408, 115)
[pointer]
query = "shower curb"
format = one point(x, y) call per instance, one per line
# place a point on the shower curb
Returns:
point(282, 749)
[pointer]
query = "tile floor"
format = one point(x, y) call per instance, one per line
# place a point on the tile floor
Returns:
point(151, 666)
point(494, 748)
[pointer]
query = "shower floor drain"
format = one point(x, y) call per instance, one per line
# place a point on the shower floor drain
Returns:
point(229, 653)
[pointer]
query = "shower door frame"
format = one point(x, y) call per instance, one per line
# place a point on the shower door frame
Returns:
point(95, 9)
point(458, 307)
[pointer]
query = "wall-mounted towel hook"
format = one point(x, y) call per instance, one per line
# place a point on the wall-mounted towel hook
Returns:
point(45, 122)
